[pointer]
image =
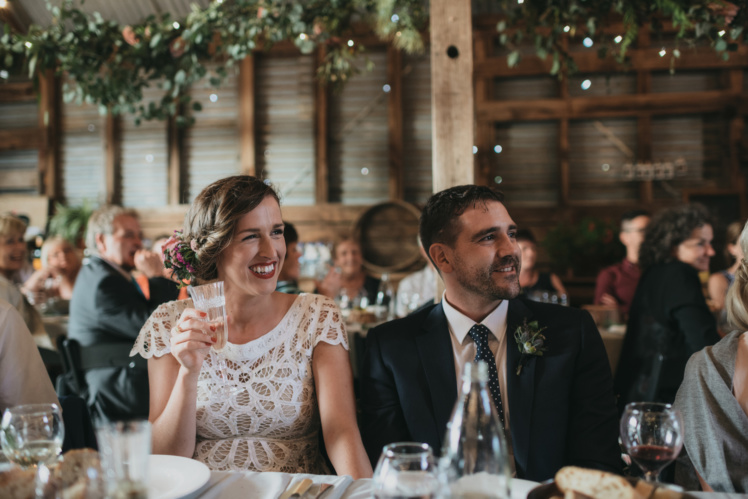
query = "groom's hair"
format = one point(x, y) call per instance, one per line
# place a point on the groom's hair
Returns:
point(439, 217)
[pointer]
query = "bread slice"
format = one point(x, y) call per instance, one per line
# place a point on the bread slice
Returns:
point(18, 484)
point(594, 483)
point(76, 464)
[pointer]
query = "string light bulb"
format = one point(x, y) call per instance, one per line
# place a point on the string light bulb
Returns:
point(3, 4)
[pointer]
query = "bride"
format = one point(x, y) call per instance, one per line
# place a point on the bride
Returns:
point(286, 354)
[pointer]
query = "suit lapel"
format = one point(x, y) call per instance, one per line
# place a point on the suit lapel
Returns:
point(521, 387)
point(435, 349)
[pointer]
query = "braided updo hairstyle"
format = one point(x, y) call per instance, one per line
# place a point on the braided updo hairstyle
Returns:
point(737, 296)
point(211, 220)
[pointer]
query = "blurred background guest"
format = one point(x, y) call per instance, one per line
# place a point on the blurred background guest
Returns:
point(288, 279)
point(23, 377)
point(60, 266)
point(347, 278)
point(669, 319)
point(713, 401)
point(142, 279)
point(12, 260)
point(108, 309)
point(616, 284)
point(533, 282)
point(720, 282)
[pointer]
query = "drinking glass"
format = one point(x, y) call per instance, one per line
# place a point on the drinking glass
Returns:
point(652, 433)
point(406, 470)
point(124, 447)
point(32, 434)
point(209, 298)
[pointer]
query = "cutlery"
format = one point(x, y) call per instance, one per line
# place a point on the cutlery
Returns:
point(296, 490)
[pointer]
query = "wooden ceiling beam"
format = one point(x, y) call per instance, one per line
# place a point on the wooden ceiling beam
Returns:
point(641, 60)
point(17, 92)
point(607, 106)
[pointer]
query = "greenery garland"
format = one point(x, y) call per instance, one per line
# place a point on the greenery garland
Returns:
point(109, 65)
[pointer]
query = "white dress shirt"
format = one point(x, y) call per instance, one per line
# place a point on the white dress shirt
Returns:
point(463, 349)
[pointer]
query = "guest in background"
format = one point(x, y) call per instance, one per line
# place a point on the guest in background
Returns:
point(23, 377)
point(616, 284)
point(12, 260)
point(417, 289)
point(713, 401)
point(533, 282)
point(108, 309)
point(142, 279)
point(720, 282)
point(288, 279)
point(669, 319)
point(347, 275)
point(60, 266)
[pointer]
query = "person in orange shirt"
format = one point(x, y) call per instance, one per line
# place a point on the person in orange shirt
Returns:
point(142, 279)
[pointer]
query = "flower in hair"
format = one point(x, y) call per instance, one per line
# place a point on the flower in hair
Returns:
point(180, 257)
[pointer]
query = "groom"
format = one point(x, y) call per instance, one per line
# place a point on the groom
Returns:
point(559, 410)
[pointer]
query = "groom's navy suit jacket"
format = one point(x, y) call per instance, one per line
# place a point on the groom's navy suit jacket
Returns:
point(562, 407)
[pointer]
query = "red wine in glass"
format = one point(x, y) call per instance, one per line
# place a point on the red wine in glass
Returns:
point(652, 458)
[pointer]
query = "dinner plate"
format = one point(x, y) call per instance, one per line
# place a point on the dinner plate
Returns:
point(171, 477)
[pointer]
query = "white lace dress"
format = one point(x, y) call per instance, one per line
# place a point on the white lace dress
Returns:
point(270, 422)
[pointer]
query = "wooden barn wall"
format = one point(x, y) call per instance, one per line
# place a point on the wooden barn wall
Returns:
point(558, 147)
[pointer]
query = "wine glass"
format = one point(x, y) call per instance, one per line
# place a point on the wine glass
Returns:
point(32, 435)
point(406, 470)
point(653, 436)
point(209, 298)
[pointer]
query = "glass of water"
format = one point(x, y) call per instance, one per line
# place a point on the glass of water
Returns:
point(32, 435)
point(209, 298)
point(406, 470)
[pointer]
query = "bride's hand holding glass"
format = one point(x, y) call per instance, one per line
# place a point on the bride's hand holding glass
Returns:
point(191, 339)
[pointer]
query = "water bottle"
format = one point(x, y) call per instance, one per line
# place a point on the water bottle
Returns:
point(474, 460)
point(384, 301)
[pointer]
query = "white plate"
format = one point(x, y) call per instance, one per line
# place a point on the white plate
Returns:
point(171, 477)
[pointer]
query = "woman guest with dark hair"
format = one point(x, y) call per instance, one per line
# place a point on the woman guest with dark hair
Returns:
point(713, 401)
point(288, 279)
point(286, 355)
point(669, 319)
point(533, 282)
point(720, 282)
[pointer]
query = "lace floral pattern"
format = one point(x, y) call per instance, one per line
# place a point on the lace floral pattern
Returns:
point(270, 422)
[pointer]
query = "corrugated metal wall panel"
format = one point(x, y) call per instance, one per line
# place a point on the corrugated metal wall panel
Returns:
point(590, 150)
point(417, 169)
point(285, 126)
point(19, 172)
point(686, 81)
point(19, 115)
point(537, 87)
point(82, 151)
point(601, 85)
point(211, 145)
point(527, 166)
point(144, 159)
point(701, 141)
point(358, 154)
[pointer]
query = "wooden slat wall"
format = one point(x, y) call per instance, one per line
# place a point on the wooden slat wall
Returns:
point(417, 172)
point(685, 81)
point(211, 145)
point(82, 154)
point(144, 165)
point(602, 85)
point(284, 120)
point(357, 158)
point(534, 87)
point(19, 140)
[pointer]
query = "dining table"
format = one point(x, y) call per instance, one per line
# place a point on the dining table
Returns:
point(272, 485)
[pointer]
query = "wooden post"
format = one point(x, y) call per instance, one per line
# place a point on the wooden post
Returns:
point(321, 187)
point(111, 159)
point(175, 159)
point(484, 131)
point(644, 123)
point(247, 116)
point(49, 124)
point(452, 93)
point(395, 122)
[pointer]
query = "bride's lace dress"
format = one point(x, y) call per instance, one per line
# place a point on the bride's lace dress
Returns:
point(270, 422)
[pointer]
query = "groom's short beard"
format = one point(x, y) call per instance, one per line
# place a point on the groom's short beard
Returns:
point(484, 283)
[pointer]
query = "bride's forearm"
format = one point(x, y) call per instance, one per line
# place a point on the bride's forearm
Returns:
point(175, 428)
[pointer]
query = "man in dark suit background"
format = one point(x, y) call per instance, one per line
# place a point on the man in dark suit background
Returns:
point(108, 309)
point(560, 410)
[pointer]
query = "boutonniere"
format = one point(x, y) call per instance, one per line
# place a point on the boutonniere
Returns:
point(530, 342)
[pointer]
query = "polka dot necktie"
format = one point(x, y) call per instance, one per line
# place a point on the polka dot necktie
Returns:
point(479, 333)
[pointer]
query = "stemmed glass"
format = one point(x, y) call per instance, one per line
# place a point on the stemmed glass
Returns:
point(209, 298)
point(653, 436)
point(406, 469)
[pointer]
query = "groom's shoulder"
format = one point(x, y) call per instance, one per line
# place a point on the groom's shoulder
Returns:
point(407, 326)
point(558, 313)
